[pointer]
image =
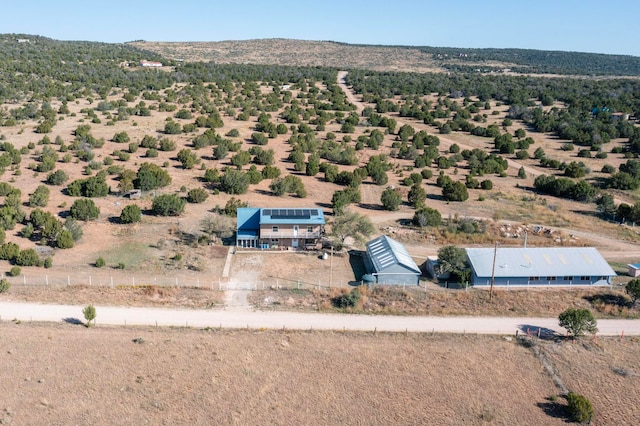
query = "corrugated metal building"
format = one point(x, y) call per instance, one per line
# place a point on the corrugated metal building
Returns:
point(535, 266)
point(389, 262)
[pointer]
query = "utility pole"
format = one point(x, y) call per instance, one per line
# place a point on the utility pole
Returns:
point(493, 271)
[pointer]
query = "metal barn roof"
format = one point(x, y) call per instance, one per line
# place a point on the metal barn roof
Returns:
point(385, 252)
point(539, 262)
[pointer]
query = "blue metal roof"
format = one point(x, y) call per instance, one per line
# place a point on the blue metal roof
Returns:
point(385, 252)
point(539, 262)
point(282, 216)
point(248, 219)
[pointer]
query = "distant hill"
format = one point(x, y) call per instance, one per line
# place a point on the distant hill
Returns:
point(397, 58)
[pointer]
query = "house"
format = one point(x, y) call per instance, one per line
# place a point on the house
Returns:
point(150, 64)
point(279, 228)
point(388, 262)
point(539, 266)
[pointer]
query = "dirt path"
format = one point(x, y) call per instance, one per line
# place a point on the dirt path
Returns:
point(241, 318)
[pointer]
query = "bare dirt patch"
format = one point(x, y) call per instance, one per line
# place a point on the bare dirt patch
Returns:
point(63, 374)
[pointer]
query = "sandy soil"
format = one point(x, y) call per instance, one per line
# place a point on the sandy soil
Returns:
point(66, 374)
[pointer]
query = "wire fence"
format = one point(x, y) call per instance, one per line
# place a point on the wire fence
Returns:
point(122, 279)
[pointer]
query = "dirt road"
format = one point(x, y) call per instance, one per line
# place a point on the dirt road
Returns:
point(242, 318)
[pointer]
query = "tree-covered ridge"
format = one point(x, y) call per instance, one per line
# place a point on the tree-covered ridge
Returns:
point(41, 68)
point(543, 61)
point(45, 68)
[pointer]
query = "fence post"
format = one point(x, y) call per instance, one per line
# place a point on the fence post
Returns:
point(198, 283)
point(90, 281)
point(46, 279)
point(111, 281)
point(68, 280)
point(24, 279)
point(133, 281)
point(176, 281)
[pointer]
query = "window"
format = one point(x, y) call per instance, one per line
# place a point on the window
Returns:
point(585, 278)
point(274, 229)
point(534, 278)
point(309, 229)
point(567, 278)
point(275, 241)
point(552, 278)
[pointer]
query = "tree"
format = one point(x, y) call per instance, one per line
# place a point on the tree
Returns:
point(89, 313)
point(417, 195)
point(84, 209)
point(151, 176)
point(352, 224)
point(455, 191)
point(187, 158)
point(522, 174)
point(391, 199)
point(453, 259)
point(633, 289)
point(427, 217)
point(343, 198)
point(288, 185)
point(130, 214)
point(234, 182)
point(40, 197)
point(168, 205)
point(578, 321)
point(64, 239)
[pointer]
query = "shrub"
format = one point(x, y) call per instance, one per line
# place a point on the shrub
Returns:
point(27, 257)
point(579, 408)
point(168, 205)
point(100, 262)
point(48, 262)
point(58, 177)
point(15, 271)
point(4, 285)
point(84, 209)
point(427, 217)
point(390, 199)
point(197, 195)
point(130, 214)
point(64, 239)
point(347, 300)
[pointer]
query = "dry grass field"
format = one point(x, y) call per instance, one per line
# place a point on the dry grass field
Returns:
point(66, 374)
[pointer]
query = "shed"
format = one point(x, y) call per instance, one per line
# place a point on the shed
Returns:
point(634, 269)
point(389, 262)
point(539, 266)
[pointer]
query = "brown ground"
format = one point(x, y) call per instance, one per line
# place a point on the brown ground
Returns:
point(66, 374)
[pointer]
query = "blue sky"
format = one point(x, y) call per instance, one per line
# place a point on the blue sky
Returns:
point(570, 25)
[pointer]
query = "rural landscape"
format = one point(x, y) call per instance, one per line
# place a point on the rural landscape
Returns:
point(124, 166)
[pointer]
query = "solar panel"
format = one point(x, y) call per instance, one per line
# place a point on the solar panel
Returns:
point(266, 212)
point(313, 212)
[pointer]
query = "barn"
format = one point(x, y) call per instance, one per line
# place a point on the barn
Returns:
point(388, 262)
point(539, 266)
